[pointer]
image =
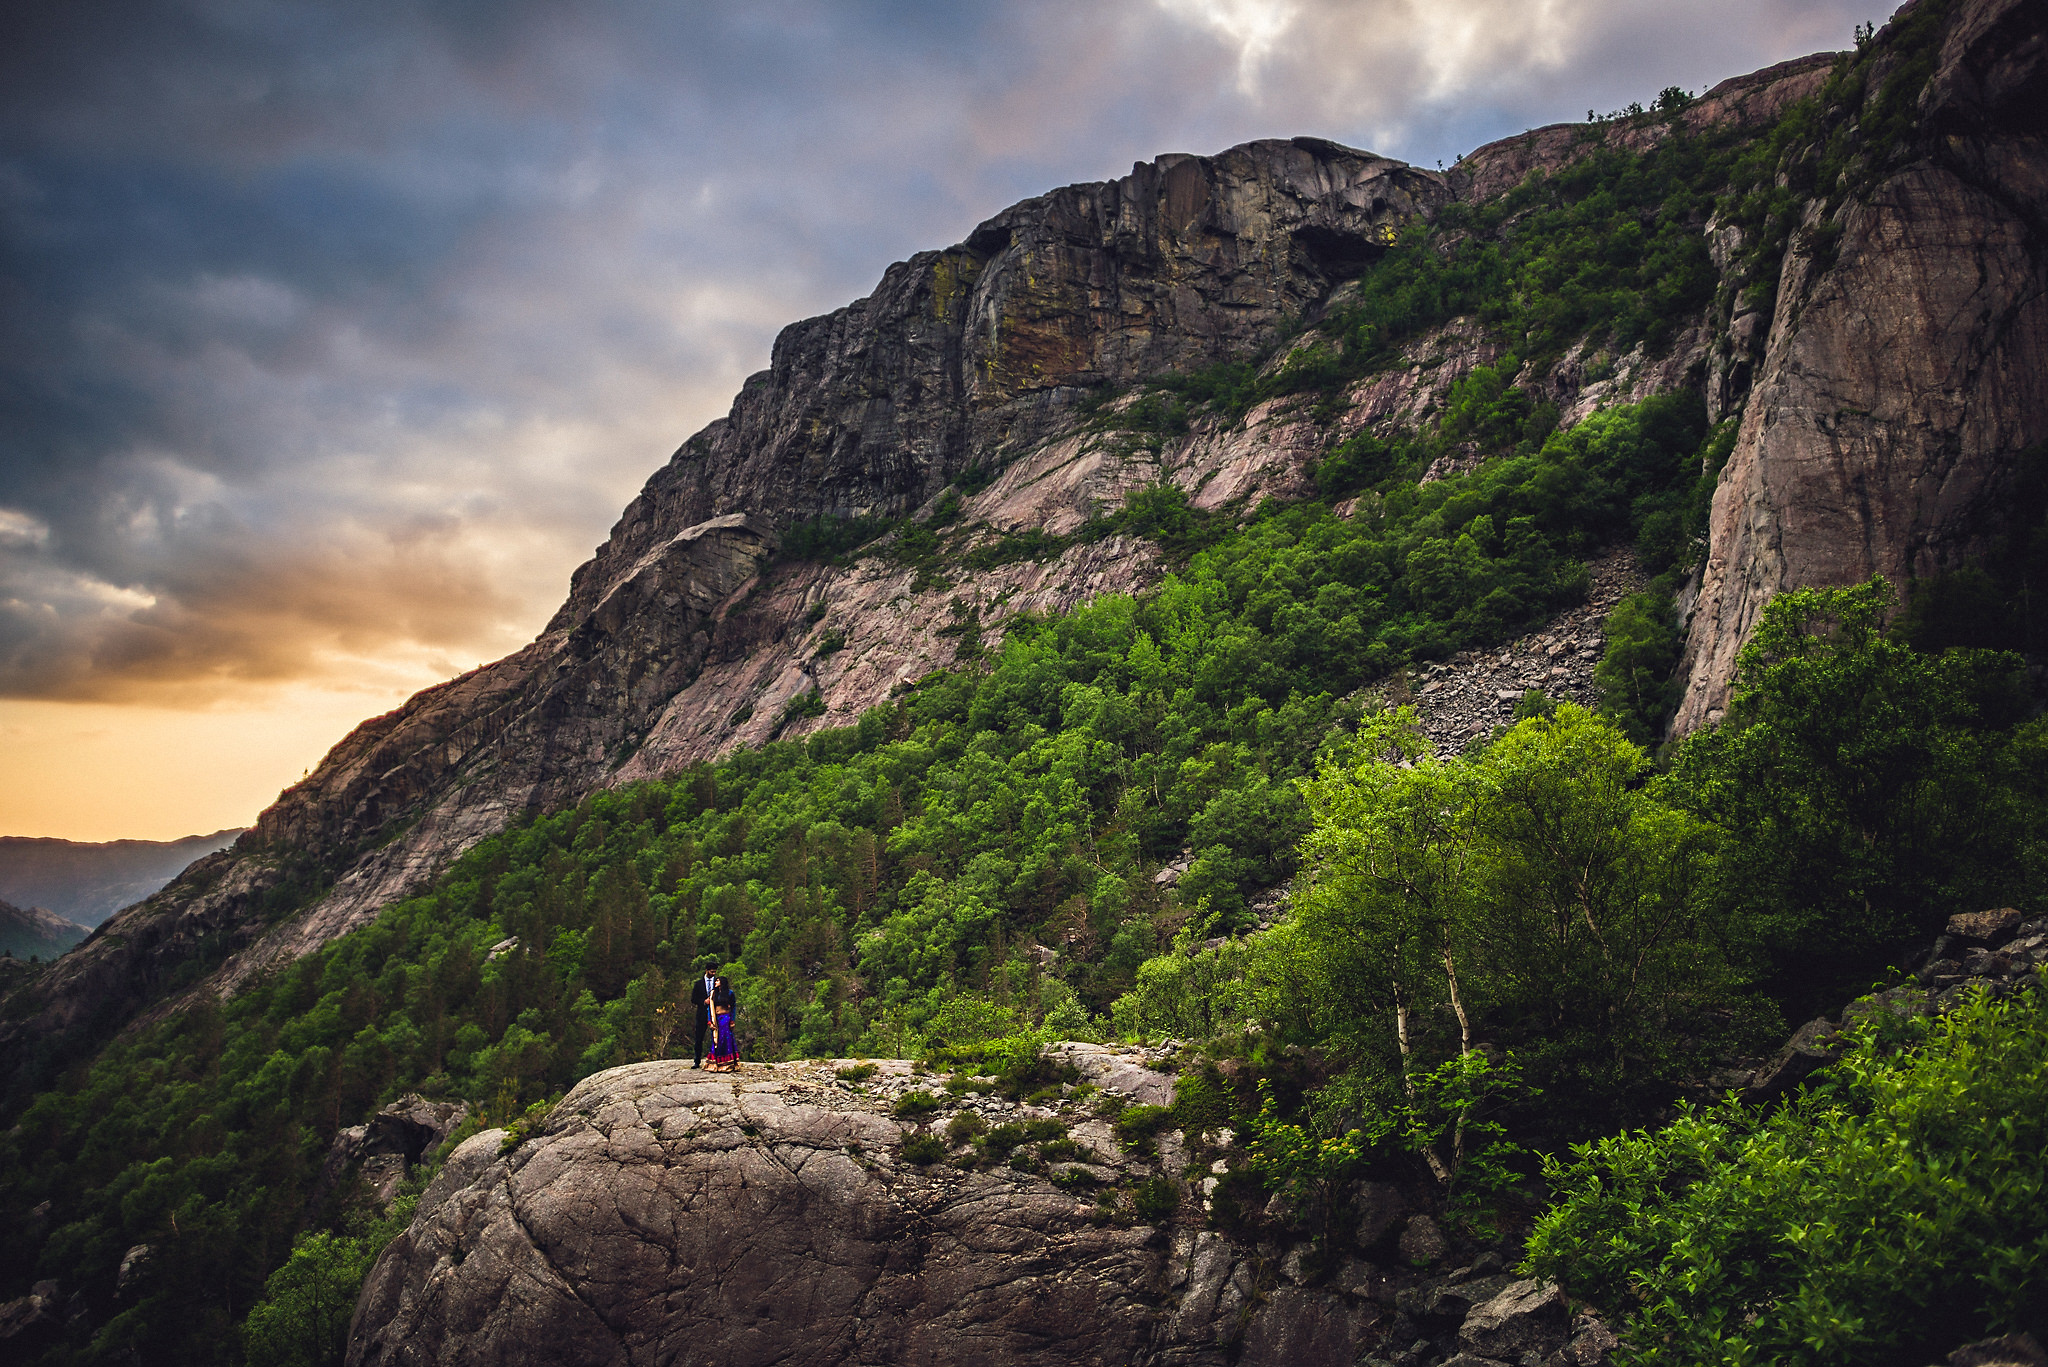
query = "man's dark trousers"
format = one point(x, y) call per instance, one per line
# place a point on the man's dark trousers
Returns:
point(700, 1002)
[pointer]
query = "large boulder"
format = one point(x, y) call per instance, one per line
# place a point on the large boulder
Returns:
point(661, 1215)
point(1987, 928)
point(1526, 1317)
point(412, 1125)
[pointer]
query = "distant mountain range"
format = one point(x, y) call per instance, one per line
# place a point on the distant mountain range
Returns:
point(31, 932)
point(88, 882)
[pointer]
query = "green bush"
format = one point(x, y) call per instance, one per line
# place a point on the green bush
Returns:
point(1894, 1211)
point(1000, 1142)
point(1638, 691)
point(302, 1320)
point(1155, 1200)
point(1138, 1126)
point(965, 1126)
point(916, 1105)
point(923, 1149)
point(1867, 790)
point(831, 539)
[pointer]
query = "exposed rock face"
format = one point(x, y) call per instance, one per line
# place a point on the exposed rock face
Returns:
point(965, 355)
point(1741, 101)
point(669, 1216)
point(1901, 379)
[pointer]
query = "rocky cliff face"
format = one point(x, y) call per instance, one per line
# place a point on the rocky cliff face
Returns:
point(1906, 366)
point(1892, 383)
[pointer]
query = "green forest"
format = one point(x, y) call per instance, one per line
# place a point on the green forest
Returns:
point(1496, 972)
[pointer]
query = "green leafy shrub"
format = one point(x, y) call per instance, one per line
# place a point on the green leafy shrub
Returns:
point(915, 1105)
point(802, 707)
point(1000, 1142)
point(1868, 790)
point(1201, 1099)
point(1894, 1211)
point(965, 1126)
point(924, 1149)
point(1635, 674)
point(1311, 1172)
point(1155, 1200)
point(302, 1320)
point(859, 1072)
point(1138, 1126)
point(832, 539)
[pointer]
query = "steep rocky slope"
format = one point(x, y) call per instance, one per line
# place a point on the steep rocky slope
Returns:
point(1893, 381)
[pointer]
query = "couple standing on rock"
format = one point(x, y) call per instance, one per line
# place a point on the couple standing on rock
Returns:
point(715, 1005)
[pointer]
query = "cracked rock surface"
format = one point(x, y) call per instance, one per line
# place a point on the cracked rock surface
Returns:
point(667, 1215)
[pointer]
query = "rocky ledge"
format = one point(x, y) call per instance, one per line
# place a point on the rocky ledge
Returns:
point(782, 1214)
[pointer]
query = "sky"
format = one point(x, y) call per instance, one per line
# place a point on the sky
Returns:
point(333, 336)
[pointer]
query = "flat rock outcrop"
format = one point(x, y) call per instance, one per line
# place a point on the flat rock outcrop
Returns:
point(784, 1215)
point(667, 1215)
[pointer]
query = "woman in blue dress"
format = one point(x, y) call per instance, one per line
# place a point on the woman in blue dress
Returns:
point(725, 1050)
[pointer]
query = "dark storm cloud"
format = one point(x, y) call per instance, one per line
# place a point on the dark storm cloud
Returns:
point(339, 332)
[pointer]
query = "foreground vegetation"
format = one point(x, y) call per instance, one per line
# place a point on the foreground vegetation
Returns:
point(1894, 1211)
point(1489, 956)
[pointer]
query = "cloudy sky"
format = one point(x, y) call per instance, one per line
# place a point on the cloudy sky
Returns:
point(334, 335)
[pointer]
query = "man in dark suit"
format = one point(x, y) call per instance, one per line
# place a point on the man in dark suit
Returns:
point(700, 1002)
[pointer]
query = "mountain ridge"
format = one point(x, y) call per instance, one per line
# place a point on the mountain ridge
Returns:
point(36, 932)
point(88, 881)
